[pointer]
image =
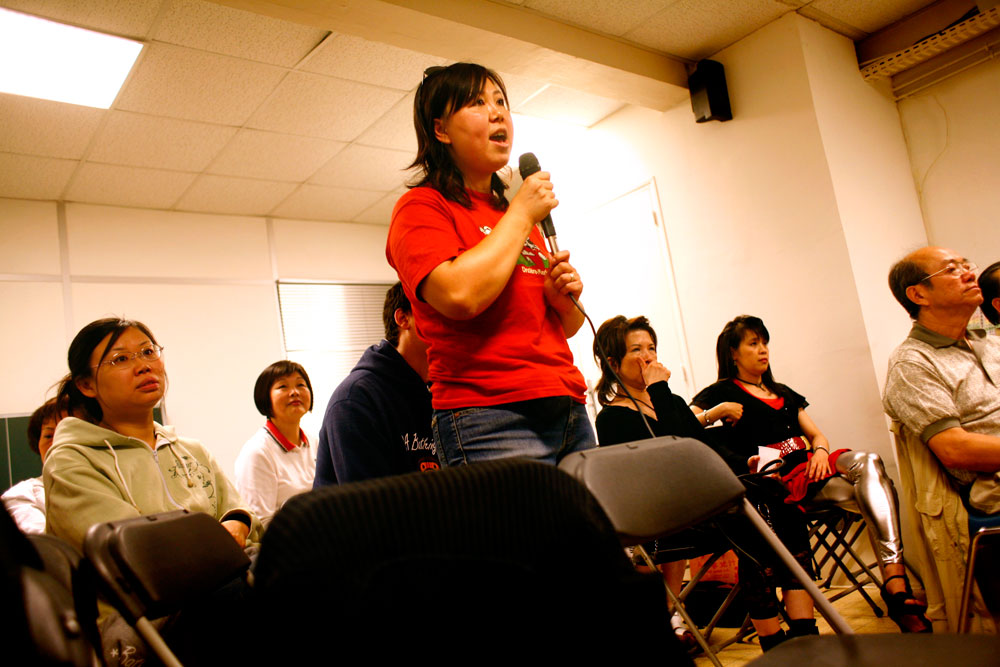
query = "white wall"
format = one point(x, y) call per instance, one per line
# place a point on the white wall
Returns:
point(763, 217)
point(954, 140)
point(868, 162)
point(203, 283)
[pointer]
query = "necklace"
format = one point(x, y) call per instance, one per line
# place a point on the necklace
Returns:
point(637, 400)
point(759, 385)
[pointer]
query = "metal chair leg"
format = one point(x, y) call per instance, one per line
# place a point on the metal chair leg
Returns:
point(679, 608)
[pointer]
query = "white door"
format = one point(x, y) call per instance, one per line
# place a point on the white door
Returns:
point(621, 251)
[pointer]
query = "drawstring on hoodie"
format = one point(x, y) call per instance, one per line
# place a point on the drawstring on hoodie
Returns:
point(122, 477)
point(180, 462)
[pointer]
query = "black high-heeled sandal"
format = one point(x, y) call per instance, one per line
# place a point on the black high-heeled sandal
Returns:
point(907, 615)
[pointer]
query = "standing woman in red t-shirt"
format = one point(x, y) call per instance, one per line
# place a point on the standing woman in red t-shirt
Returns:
point(493, 305)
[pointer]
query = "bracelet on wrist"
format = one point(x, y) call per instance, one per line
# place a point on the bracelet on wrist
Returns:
point(708, 418)
point(823, 448)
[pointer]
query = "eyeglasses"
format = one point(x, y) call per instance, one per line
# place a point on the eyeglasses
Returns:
point(954, 268)
point(147, 354)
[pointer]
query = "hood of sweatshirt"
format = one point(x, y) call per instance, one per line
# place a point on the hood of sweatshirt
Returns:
point(72, 430)
point(383, 360)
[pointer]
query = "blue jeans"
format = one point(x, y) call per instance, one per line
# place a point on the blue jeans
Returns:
point(544, 429)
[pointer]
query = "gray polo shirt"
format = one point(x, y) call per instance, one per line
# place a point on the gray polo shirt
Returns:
point(935, 383)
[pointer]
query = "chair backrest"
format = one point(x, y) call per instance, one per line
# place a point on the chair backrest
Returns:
point(504, 555)
point(48, 613)
point(151, 565)
point(653, 488)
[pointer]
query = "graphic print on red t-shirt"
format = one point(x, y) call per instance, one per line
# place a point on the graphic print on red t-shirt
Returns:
point(533, 260)
point(514, 350)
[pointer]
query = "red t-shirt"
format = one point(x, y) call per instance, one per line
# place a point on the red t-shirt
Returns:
point(516, 349)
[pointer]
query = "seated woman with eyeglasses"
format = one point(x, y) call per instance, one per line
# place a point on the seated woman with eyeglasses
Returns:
point(774, 417)
point(113, 461)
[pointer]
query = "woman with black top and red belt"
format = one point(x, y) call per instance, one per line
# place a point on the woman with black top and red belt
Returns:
point(775, 416)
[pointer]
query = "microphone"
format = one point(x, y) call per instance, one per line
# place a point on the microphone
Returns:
point(527, 164)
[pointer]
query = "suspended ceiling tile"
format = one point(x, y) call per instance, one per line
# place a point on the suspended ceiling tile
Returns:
point(519, 88)
point(866, 15)
point(365, 168)
point(233, 196)
point(30, 177)
point(696, 29)
point(130, 18)
point(213, 27)
point(319, 106)
point(128, 186)
point(317, 202)
point(138, 140)
point(380, 213)
point(194, 85)
point(40, 127)
point(569, 106)
point(394, 129)
point(273, 156)
point(357, 59)
point(612, 17)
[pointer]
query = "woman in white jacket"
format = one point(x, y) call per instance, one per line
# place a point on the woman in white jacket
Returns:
point(277, 462)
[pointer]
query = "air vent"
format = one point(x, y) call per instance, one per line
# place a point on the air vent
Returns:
point(951, 50)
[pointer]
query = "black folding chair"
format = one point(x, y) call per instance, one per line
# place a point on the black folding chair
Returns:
point(834, 533)
point(508, 558)
point(49, 605)
point(693, 544)
point(655, 488)
point(152, 566)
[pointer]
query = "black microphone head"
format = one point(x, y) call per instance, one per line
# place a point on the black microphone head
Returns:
point(527, 164)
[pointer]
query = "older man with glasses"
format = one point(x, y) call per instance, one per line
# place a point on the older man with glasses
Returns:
point(943, 391)
point(944, 380)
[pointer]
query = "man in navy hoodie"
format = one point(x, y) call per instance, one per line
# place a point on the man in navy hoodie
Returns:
point(378, 420)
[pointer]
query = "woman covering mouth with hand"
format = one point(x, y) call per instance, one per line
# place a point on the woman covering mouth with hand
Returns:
point(494, 307)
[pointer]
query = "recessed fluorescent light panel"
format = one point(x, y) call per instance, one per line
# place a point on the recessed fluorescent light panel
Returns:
point(40, 58)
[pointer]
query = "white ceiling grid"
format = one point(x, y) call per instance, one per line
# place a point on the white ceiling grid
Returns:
point(233, 112)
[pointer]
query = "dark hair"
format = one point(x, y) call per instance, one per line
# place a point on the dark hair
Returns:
point(611, 339)
point(83, 345)
point(395, 298)
point(266, 380)
point(989, 283)
point(729, 341)
point(906, 273)
point(51, 410)
point(443, 91)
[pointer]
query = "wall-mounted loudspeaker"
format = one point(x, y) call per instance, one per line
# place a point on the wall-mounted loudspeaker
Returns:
point(709, 95)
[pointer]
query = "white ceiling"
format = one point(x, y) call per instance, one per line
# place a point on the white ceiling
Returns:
point(237, 112)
